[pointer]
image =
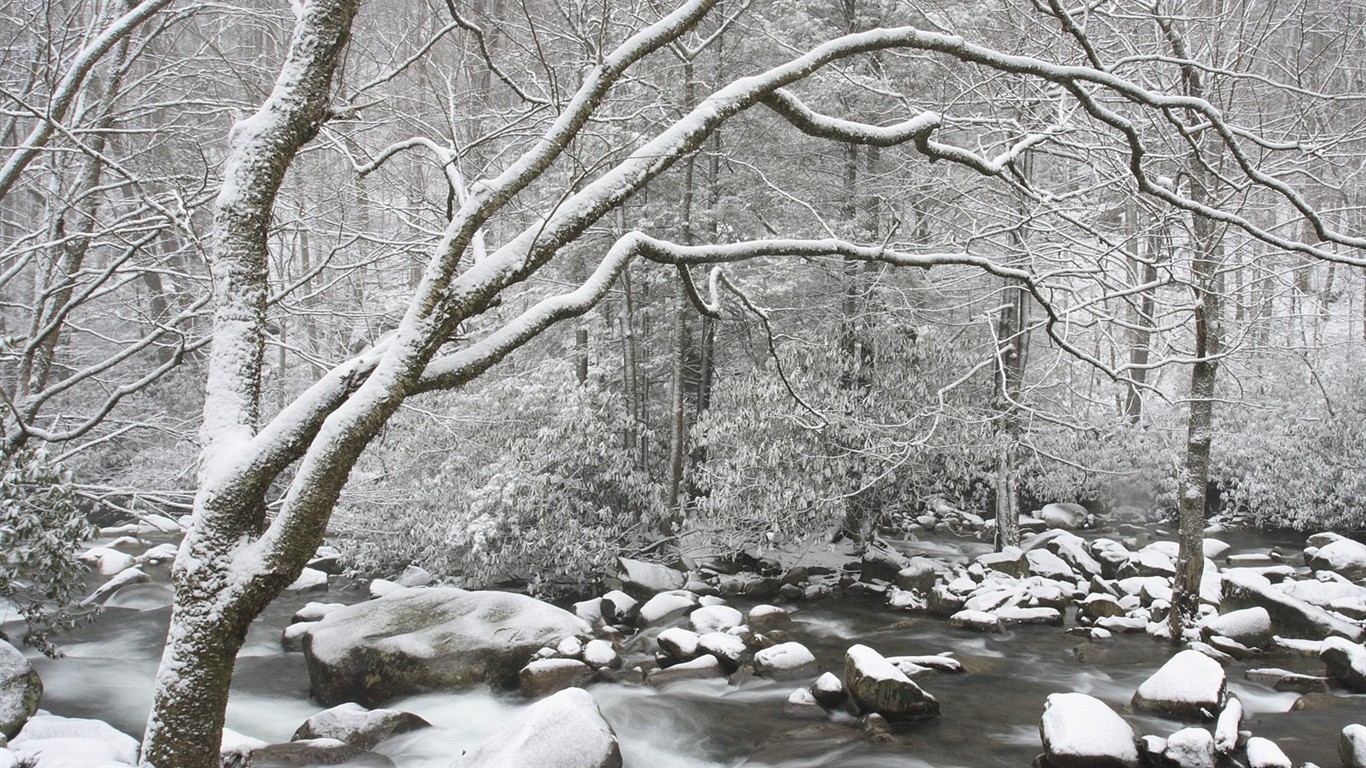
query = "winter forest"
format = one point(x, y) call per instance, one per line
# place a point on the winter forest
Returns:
point(682, 383)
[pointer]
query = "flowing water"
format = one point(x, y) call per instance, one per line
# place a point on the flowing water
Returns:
point(990, 713)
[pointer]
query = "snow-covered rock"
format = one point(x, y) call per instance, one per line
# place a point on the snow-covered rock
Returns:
point(679, 643)
point(785, 661)
point(876, 685)
point(667, 605)
point(1190, 684)
point(1067, 516)
point(20, 690)
point(727, 648)
point(764, 617)
point(1344, 556)
point(1263, 753)
point(310, 580)
point(49, 741)
point(1249, 626)
point(802, 704)
point(715, 618)
point(1190, 748)
point(1010, 561)
point(124, 578)
point(1227, 726)
point(641, 579)
point(429, 639)
point(700, 668)
point(1346, 662)
point(1081, 731)
point(829, 690)
point(1291, 616)
point(107, 561)
point(979, 621)
point(329, 560)
point(600, 654)
point(541, 677)
point(619, 607)
point(1048, 565)
point(565, 730)
point(1352, 746)
point(358, 726)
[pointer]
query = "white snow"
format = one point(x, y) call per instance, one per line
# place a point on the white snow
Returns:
point(666, 605)
point(1189, 678)
point(1080, 726)
point(1352, 746)
point(715, 618)
point(1248, 622)
point(873, 665)
point(1342, 554)
point(1263, 753)
point(784, 658)
point(310, 580)
point(49, 741)
point(1191, 748)
point(680, 642)
point(565, 730)
point(1226, 728)
point(107, 561)
point(600, 653)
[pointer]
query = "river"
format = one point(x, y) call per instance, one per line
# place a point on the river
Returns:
point(990, 713)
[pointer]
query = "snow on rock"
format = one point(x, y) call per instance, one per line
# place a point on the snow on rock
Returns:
point(328, 559)
point(1067, 516)
point(591, 612)
point(429, 639)
point(1322, 591)
point(1345, 556)
point(679, 643)
point(617, 606)
point(20, 689)
point(123, 579)
point(980, 621)
point(667, 605)
point(785, 661)
point(642, 579)
point(1190, 748)
point(700, 668)
point(235, 750)
point(1149, 562)
point(715, 618)
point(1190, 684)
point(829, 690)
point(1346, 662)
point(107, 561)
point(727, 648)
point(1226, 727)
point(358, 726)
point(1249, 626)
point(1040, 615)
point(415, 576)
point(1010, 561)
point(1048, 565)
point(1213, 548)
point(1080, 731)
point(1291, 616)
point(766, 617)
point(158, 524)
point(600, 654)
point(545, 676)
point(1263, 753)
point(49, 741)
point(802, 704)
point(876, 685)
point(1352, 746)
point(310, 580)
point(565, 730)
point(314, 611)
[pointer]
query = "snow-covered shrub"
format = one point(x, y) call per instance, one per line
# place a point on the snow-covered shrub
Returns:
point(41, 530)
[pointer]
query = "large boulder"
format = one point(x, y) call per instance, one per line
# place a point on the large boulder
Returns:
point(1190, 684)
point(785, 661)
point(358, 726)
point(566, 730)
point(1341, 555)
point(20, 689)
point(641, 579)
point(1190, 748)
point(429, 639)
point(545, 676)
point(1080, 731)
point(876, 685)
point(1291, 616)
point(1066, 516)
point(1249, 626)
point(49, 741)
point(1346, 663)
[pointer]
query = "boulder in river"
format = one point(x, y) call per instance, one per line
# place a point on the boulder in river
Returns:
point(49, 741)
point(1263, 753)
point(1346, 663)
point(1249, 626)
point(876, 685)
point(1190, 748)
point(785, 661)
point(20, 689)
point(429, 639)
point(1066, 516)
point(641, 579)
point(1352, 746)
point(1342, 555)
point(1190, 684)
point(566, 730)
point(1081, 731)
point(1291, 616)
point(667, 605)
point(545, 676)
point(358, 726)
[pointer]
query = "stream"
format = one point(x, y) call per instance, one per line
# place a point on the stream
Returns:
point(990, 713)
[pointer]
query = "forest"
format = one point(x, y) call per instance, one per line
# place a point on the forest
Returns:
point(598, 370)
